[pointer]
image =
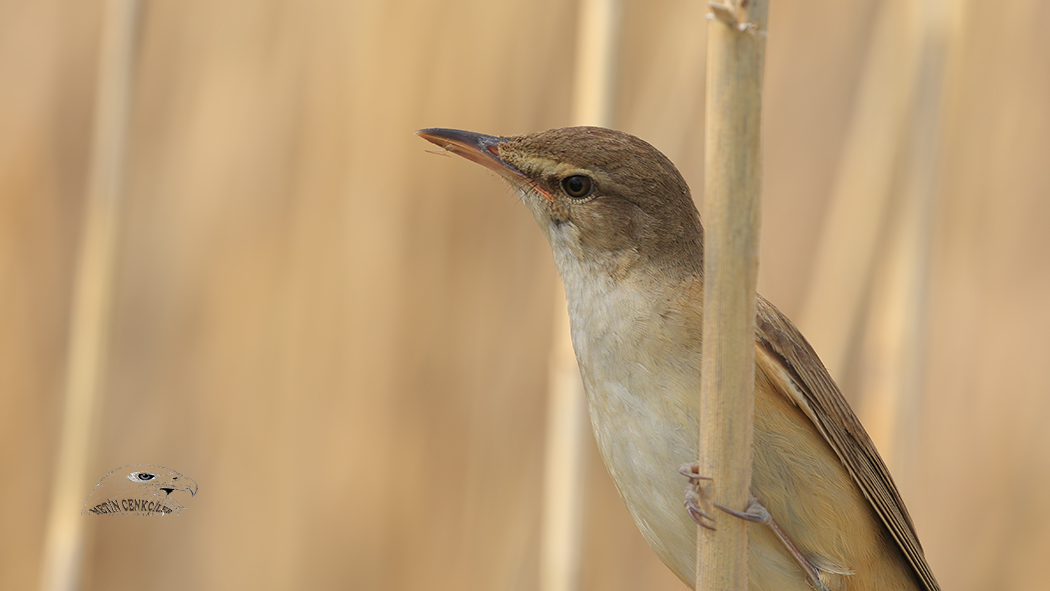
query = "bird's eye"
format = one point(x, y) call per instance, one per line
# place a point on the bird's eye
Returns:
point(144, 476)
point(576, 186)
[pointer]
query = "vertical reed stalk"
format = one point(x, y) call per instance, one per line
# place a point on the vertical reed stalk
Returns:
point(860, 198)
point(92, 301)
point(895, 331)
point(732, 197)
point(875, 243)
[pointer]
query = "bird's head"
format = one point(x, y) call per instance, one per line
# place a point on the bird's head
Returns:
point(601, 196)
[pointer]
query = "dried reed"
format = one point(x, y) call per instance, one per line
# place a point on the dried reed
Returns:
point(90, 323)
point(732, 196)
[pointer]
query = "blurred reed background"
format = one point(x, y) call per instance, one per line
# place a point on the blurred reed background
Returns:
point(344, 339)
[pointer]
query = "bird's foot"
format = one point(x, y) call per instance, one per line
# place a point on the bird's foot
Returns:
point(694, 495)
point(756, 513)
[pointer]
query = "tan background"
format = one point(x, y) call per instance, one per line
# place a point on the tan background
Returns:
point(344, 339)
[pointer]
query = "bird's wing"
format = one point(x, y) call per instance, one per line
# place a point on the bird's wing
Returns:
point(816, 394)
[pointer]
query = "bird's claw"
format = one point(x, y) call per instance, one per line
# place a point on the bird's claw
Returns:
point(695, 512)
point(692, 472)
point(694, 495)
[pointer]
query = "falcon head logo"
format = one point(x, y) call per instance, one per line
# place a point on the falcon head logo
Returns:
point(138, 489)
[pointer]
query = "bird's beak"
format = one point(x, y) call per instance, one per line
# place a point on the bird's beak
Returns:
point(477, 147)
point(180, 482)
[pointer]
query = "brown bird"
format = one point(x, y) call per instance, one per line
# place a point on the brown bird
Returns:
point(628, 244)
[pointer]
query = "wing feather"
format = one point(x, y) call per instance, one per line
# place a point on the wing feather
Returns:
point(816, 394)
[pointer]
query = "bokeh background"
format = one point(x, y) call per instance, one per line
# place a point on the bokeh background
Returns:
point(344, 338)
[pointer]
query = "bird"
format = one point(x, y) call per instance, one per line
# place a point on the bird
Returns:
point(627, 241)
point(138, 489)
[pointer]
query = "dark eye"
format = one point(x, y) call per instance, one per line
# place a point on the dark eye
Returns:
point(145, 476)
point(576, 186)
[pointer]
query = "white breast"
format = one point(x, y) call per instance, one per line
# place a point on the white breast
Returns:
point(642, 400)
